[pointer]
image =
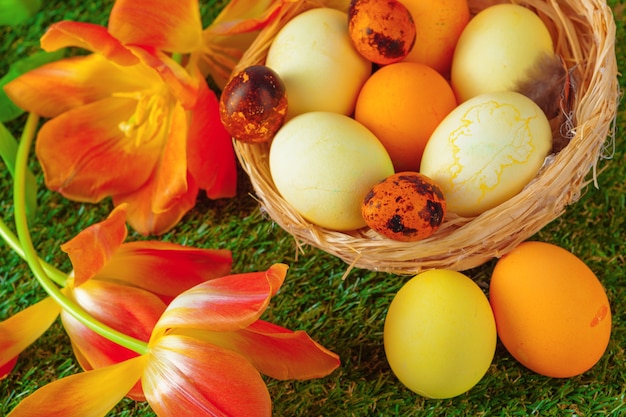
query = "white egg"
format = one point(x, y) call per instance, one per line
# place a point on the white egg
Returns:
point(323, 164)
point(486, 150)
point(316, 60)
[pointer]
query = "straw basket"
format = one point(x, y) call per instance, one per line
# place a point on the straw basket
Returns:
point(584, 34)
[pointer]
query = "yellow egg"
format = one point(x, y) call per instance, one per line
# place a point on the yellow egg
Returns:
point(486, 150)
point(324, 164)
point(440, 334)
point(315, 58)
point(496, 49)
point(551, 312)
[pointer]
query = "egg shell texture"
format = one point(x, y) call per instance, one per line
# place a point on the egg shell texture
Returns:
point(440, 334)
point(315, 58)
point(403, 103)
point(253, 104)
point(552, 313)
point(323, 164)
point(406, 206)
point(439, 24)
point(381, 31)
point(487, 150)
point(497, 49)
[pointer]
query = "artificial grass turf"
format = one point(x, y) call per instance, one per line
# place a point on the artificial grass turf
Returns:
point(344, 315)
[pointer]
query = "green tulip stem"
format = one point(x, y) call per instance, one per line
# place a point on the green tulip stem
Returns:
point(30, 255)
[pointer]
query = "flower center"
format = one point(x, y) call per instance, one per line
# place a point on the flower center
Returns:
point(151, 120)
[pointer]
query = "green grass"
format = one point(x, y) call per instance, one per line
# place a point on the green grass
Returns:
point(345, 316)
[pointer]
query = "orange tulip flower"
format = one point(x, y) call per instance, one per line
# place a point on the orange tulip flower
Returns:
point(130, 121)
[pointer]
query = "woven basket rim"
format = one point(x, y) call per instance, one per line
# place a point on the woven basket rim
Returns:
point(584, 35)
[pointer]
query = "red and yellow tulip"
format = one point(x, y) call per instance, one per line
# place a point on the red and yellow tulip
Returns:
point(205, 343)
point(126, 286)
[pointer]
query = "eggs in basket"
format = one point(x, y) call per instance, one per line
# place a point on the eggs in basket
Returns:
point(353, 103)
point(435, 147)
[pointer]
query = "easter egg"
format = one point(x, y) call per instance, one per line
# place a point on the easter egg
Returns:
point(440, 334)
point(406, 206)
point(315, 58)
point(487, 150)
point(552, 313)
point(497, 49)
point(323, 164)
point(382, 31)
point(253, 104)
point(439, 25)
point(402, 104)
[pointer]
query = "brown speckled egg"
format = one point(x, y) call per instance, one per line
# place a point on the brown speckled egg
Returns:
point(253, 104)
point(406, 206)
point(382, 31)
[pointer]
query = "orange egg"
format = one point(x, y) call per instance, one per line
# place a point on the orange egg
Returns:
point(406, 206)
point(439, 24)
point(382, 31)
point(402, 104)
point(552, 313)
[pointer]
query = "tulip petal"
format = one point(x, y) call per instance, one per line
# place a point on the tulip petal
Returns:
point(165, 268)
point(86, 156)
point(129, 310)
point(240, 16)
point(210, 154)
point(162, 24)
point(187, 377)
point(223, 304)
point(6, 369)
point(54, 88)
point(171, 174)
point(231, 34)
point(90, 250)
point(22, 329)
point(89, 36)
point(278, 352)
point(135, 393)
point(86, 394)
point(179, 82)
point(141, 216)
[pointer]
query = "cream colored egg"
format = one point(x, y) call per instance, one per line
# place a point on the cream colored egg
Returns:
point(496, 49)
point(486, 150)
point(315, 59)
point(323, 164)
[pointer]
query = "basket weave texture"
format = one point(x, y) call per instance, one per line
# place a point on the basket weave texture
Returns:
point(584, 35)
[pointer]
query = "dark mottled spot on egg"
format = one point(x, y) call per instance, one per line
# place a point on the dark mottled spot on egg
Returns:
point(432, 213)
point(396, 225)
point(391, 48)
point(370, 195)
